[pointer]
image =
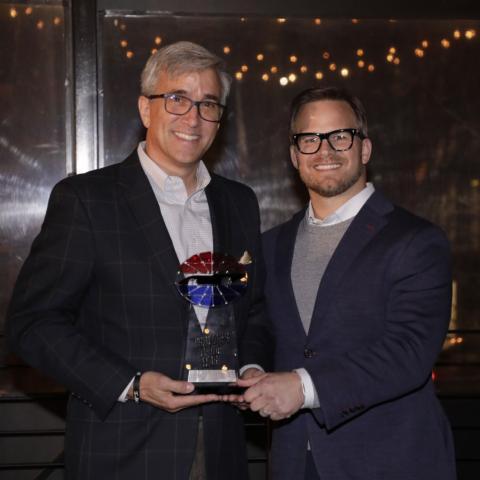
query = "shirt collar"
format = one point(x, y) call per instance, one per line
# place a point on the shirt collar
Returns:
point(348, 210)
point(162, 179)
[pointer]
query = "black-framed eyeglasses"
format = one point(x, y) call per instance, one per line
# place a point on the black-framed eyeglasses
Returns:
point(339, 140)
point(180, 105)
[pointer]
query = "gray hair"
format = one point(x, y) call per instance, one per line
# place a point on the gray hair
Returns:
point(183, 57)
point(329, 93)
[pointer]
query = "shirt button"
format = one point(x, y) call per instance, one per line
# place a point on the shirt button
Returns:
point(307, 353)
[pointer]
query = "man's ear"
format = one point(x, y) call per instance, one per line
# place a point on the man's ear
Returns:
point(366, 150)
point(293, 156)
point(144, 110)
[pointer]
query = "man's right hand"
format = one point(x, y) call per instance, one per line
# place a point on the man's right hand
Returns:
point(168, 394)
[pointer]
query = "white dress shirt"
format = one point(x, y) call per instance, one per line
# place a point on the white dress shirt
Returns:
point(187, 217)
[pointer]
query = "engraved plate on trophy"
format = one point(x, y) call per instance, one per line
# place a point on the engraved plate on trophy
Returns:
point(213, 281)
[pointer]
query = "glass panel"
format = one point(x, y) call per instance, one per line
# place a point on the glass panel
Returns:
point(419, 82)
point(33, 126)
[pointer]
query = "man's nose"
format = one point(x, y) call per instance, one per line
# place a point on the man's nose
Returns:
point(192, 117)
point(325, 148)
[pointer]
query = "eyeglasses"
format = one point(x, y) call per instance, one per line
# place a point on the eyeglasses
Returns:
point(340, 140)
point(180, 105)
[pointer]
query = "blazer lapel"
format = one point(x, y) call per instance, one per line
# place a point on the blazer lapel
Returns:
point(364, 227)
point(220, 216)
point(283, 269)
point(144, 207)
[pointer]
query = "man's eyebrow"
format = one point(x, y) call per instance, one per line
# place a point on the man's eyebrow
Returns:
point(208, 96)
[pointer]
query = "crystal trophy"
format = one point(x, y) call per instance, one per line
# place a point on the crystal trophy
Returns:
point(213, 281)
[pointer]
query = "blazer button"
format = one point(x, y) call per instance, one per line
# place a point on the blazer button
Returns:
point(307, 353)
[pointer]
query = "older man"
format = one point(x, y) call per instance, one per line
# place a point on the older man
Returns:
point(359, 293)
point(95, 305)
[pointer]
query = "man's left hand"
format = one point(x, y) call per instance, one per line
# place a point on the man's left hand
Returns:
point(274, 395)
point(237, 399)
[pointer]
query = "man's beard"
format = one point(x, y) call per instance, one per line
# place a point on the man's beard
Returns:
point(331, 188)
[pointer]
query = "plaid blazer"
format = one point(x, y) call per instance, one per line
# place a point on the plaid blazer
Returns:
point(95, 302)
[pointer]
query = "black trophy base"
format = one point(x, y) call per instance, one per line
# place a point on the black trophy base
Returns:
point(219, 381)
point(219, 388)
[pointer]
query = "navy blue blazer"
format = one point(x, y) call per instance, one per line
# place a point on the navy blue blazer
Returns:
point(379, 322)
point(95, 302)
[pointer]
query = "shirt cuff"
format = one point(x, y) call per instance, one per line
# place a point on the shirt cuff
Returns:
point(250, 365)
point(123, 396)
point(309, 390)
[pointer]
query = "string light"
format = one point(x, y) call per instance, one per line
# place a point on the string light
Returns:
point(13, 12)
point(445, 43)
point(28, 11)
point(40, 24)
point(475, 182)
point(454, 340)
point(391, 56)
point(57, 21)
point(469, 34)
point(153, 51)
point(355, 21)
